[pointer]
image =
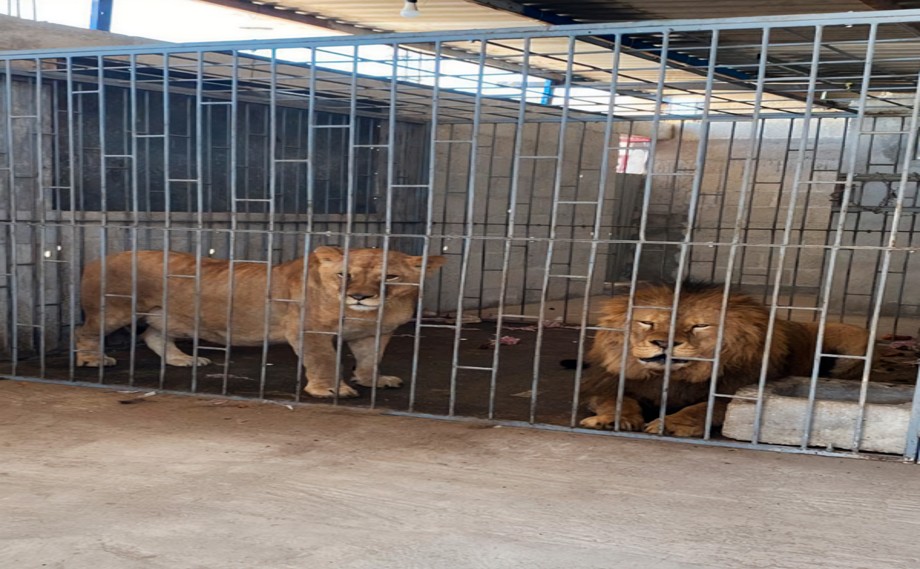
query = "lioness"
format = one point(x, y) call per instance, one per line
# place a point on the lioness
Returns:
point(697, 326)
point(326, 277)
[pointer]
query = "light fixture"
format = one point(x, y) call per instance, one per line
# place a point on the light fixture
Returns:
point(410, 9)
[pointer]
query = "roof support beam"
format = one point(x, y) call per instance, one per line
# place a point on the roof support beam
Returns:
point(891, 5)
point(302, 17)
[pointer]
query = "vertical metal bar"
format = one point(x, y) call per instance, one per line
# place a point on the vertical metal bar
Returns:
point(598, 218)
point(745, 190)
point(553, 222)
point(75, 254)
point(429, 220)
point(835, 247)
point(104, 214)
point(308, 236)
point(233, 127)
point(388, 218)
point(468, 224)
point(41, 205)
point(913, 427)
point(349, 216)
point(272, 176)
point(135, 216)
point(695, 187)
point(909, 153)
point(643, 223)
point(167, 207)
point(512, 216)
point(199, 214)
point(14, 216)
point(101, 16)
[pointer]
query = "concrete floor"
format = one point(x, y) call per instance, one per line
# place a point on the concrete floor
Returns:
point(172, 482)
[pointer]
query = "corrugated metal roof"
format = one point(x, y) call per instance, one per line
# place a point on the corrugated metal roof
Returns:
point(788, 66)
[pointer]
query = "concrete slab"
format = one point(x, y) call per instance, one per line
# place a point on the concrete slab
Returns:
point(835, 414)
point(87, 481)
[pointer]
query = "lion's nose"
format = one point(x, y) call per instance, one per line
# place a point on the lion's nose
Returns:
point(359, 296)
point(663, 344)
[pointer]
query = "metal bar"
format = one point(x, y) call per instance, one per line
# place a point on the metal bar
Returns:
point(199, 211)
point(510, 226)
point(167, 206)
point(468, 227)
point(656, 26)
point(554, 212)
point(101, 15)
point(270, 231)
point(695, 189)
point(598, 217)
point(909, 155)
point(832, 261)
point(388, 224)
point(746, 189)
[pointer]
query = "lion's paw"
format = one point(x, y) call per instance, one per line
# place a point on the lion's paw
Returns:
point(185, 360)
point(606, 423)
point(93, 360)
point(328, 392)
point(382, 381)
point(675, 428)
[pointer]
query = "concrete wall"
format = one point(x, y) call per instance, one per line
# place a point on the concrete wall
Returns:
point(485, 201)
point(777, 150)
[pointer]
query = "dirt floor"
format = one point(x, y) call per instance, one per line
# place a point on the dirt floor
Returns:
point(431, 393)
point(89, 481)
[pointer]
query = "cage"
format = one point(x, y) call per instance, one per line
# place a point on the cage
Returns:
point(552, 168)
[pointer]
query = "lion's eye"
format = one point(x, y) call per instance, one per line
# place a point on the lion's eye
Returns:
point(392, 277)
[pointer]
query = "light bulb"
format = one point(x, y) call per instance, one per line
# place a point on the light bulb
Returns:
point(410, 9)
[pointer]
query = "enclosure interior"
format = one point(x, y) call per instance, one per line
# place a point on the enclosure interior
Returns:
point(550, 170)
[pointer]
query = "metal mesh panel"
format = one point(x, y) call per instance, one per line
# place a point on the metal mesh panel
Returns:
point(778, 163)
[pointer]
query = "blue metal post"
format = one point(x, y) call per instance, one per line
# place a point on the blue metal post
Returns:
point(101, 18)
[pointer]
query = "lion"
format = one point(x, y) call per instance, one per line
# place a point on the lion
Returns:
point(697, 325)
point(170, 314)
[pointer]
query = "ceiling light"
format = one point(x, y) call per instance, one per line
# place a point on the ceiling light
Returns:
point(410, 9)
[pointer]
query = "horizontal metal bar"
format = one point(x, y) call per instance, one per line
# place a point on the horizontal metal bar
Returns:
point(647, 436)
point(656, 26)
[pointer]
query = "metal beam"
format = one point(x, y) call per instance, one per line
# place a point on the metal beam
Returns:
point(891, 5)
point(299, 16)
point(101, 17)
point(637, 46)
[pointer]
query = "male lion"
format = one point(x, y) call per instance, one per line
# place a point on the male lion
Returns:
point(326, 277)
point(744, 340)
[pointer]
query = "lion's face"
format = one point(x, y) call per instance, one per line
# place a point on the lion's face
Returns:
point(695, 336)
point(363, 276)
point(696, 330)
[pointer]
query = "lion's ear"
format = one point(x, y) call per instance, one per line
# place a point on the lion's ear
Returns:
point(328, 254)
point(434, 262)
